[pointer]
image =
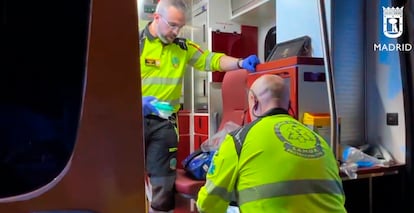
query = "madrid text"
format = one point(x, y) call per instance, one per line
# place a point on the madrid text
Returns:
point(393, 47)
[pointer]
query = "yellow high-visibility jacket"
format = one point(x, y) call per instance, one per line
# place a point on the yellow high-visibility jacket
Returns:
point(283, 167)
point(163, 66)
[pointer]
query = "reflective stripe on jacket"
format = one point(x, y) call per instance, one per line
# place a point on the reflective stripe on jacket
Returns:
point(283, 167)
point(163, 66)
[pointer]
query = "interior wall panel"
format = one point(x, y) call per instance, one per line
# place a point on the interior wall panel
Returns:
point(384, 83)
point(349, 68)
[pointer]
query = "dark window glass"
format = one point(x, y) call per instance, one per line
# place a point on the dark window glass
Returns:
point(42, 70)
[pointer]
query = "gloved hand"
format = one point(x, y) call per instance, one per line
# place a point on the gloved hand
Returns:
point(147, 107)
point(250, 63)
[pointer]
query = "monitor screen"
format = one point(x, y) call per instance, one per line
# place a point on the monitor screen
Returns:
point(296, 47)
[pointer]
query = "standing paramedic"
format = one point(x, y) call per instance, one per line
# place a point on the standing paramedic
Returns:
point(273, 164)
point(163, 58)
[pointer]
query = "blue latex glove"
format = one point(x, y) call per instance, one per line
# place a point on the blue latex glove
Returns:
point(250, 63)
point(147, 107)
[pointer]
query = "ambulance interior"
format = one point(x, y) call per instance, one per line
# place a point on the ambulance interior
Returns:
point(366, 91)
point(350, 78)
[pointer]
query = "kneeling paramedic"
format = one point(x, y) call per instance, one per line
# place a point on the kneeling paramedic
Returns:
point(273, 164)
point(163, 60)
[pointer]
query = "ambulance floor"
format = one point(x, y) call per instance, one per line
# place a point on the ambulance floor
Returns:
point(183, 205)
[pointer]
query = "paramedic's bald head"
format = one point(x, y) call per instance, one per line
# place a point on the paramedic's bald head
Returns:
point(267, 92)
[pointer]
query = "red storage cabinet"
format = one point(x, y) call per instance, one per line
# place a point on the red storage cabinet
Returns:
point(201, 124)
point(183, 120)
point(198, 140)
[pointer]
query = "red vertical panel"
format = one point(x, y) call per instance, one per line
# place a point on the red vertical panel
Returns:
point(183, 123)
point(201, 124)
point(249, 41)
point(198, 140)
point(236, 45)
point(228, 43)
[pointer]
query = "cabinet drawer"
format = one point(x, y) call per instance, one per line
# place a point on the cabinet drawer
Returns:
point(183, 123)
point(198, 140)
point(201, 124)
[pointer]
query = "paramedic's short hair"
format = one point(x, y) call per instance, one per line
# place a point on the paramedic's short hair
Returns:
point(164, 4)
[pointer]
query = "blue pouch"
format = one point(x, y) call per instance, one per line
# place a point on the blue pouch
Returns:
point(197, 164)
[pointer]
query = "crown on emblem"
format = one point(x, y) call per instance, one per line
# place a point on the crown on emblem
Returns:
point(392, 11)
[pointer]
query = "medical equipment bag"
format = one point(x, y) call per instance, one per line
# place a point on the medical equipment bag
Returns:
point(197, 164)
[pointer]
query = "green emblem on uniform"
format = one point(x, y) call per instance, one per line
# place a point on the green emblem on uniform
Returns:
point(212, 168)
point(173, 163)
point(175, 61)
point(299, 140)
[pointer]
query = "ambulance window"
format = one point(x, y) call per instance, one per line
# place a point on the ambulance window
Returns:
point(43, 63)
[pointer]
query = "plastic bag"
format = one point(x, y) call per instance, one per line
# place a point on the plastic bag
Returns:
point(350, 169)
point(213, 143)
point(354, 158)
point(354, 155)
